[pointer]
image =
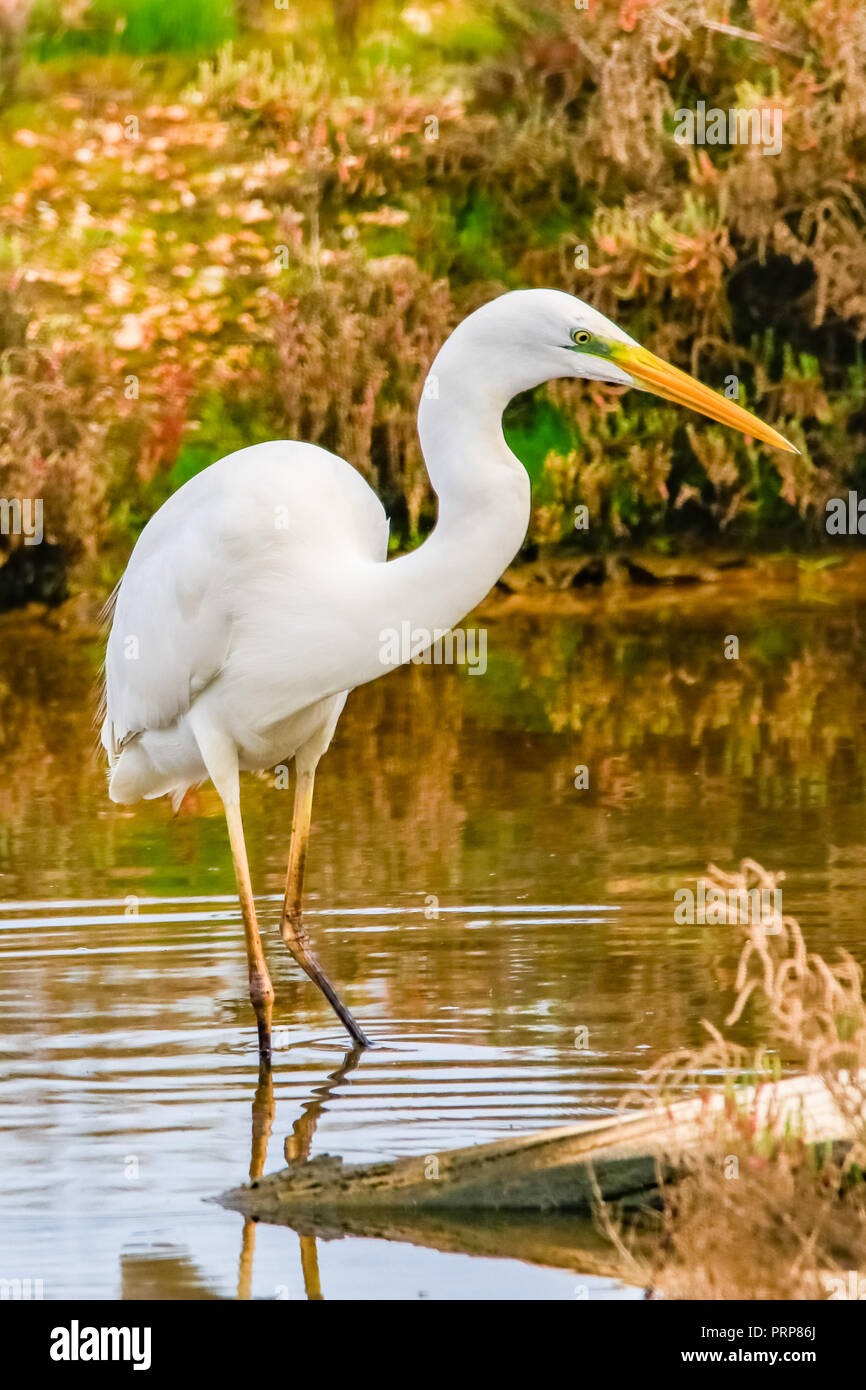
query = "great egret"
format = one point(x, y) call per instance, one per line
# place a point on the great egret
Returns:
point(258, 595)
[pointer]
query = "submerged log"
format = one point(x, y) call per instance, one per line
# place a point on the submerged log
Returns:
point(566, 1169)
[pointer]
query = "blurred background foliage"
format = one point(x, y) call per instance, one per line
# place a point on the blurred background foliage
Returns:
point(225, 222)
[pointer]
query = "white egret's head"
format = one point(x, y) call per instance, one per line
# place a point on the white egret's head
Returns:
point(539, 335)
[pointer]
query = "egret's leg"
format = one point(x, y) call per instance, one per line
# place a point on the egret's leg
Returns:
point(291, 924)
point(261, 989)
point(221, 760)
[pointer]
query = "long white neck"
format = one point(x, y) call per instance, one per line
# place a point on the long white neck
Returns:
point(484, 503)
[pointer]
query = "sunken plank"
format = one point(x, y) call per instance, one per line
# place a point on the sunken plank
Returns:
point(562, 1169)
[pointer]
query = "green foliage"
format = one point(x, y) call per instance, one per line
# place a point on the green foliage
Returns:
point(534, 428)
point(193, 457)
point(135, 27)
point(154, 27)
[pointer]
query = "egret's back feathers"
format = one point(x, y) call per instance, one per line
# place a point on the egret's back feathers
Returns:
point(195, 573)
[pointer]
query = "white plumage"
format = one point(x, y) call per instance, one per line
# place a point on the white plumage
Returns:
point(222, 594)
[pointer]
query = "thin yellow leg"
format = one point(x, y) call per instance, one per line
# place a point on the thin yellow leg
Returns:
point(261, 989)
point(291, 924)
point(301, 815)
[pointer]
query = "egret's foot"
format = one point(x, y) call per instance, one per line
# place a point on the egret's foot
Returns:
point(295, 938)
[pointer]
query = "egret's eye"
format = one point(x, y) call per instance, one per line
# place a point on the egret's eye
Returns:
point(580, 336)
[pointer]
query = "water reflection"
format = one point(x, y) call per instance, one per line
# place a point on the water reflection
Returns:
point(558, 1241)
point(263, 1122)
point(476, 907)
point(297, 1149)
point(555, 1239)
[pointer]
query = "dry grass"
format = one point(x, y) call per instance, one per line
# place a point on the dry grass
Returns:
point(760, 1213)
point(54, 423)
point(352, 351)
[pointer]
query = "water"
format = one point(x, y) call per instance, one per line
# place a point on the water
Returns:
point(475, 906)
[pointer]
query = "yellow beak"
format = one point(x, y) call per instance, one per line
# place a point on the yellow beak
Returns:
point(652, 374)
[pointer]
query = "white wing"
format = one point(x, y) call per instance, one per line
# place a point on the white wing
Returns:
point(200, 556)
